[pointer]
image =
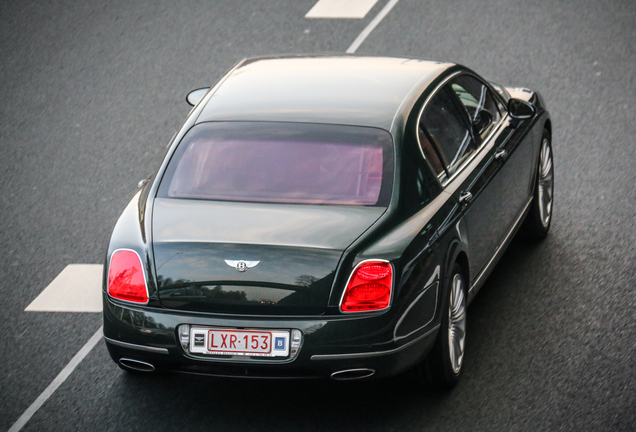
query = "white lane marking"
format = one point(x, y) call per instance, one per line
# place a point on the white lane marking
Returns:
point(341, 9)
point(78, 288)
point(373, 24)
point(58, 381)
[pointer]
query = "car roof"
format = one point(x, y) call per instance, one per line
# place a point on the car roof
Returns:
point(336, 89)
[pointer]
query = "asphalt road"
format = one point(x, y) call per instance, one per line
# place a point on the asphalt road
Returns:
point(90, 94)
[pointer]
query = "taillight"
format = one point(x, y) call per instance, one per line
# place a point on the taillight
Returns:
point(126, 280)
point(369, 287)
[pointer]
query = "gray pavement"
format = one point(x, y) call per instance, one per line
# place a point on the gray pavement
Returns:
point(90, 94)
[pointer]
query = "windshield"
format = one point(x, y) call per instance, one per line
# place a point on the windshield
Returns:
point(282, 163)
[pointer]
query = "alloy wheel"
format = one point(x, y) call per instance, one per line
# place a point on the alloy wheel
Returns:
point(546, 183)
point(457, 323)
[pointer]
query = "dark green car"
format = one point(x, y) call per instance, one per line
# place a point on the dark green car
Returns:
point(326, 216)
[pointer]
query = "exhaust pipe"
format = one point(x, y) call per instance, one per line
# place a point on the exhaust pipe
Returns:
point(352, 374)
point(136, 365)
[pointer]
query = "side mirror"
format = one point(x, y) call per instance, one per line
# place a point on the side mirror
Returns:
point(482, 121)
point(520, 109)
point(195, 96)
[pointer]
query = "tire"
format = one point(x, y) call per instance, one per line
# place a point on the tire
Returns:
point(539, 219)
point(443, 366)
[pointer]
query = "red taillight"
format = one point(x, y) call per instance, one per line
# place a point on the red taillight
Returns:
point(126, 279)
point(369, 288)
point(374, 272)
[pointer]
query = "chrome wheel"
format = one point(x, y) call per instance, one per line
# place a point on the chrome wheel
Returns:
point(546, 183)
point(443, 366)
point(457, 323)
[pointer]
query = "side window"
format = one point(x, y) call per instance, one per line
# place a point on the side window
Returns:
point(444, 128)
point(479, 102)
point(503, 93)
point(430, 154)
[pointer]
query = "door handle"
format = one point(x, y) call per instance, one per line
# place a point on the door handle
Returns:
point(501, 154)
point(465, 198)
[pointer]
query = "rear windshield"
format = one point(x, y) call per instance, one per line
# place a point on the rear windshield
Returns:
point(282, 163)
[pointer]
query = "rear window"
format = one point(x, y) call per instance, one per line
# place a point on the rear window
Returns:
point(282, 163)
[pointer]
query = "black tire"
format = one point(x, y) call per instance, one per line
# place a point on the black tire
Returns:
point(539, 219)
point(439, 369)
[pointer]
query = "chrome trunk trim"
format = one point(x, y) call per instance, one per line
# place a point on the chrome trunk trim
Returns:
point(136, 347)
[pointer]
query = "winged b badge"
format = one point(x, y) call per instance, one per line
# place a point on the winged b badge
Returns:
point(241, 265)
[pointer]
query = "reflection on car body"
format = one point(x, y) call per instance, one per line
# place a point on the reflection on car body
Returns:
point(326, 216)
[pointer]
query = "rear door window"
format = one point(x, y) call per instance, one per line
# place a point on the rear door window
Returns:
point(445, 128)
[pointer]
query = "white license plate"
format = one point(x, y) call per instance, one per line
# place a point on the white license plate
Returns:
point(262, 343)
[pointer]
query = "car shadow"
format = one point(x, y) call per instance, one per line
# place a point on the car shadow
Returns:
point(208, 403)
point(240, 404)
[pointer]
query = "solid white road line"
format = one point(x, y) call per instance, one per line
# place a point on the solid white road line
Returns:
point(58, 381)
point(373, 24)
point(78, 288)
point(341, 9)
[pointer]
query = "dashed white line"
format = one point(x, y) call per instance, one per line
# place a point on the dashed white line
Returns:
point(58, 381)
point(355, 9)
point(78, 288)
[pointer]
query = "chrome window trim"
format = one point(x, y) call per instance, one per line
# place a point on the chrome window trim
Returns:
point(465, 163)
point(419, 118)
point(472, 157)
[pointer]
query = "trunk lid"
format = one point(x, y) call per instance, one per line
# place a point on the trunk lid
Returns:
point(251, 258)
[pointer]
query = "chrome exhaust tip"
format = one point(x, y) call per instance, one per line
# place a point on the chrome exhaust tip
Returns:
point(136, 365)
point(352, 374)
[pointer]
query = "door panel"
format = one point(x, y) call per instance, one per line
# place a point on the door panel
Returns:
point(517, 170)
point(484, 215)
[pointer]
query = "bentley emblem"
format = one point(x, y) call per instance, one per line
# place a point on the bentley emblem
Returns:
point(241, 265)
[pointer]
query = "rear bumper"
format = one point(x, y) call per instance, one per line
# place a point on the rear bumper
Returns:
point(330, 344)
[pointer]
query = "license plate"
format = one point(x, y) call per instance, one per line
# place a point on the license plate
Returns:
point(260, 343)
